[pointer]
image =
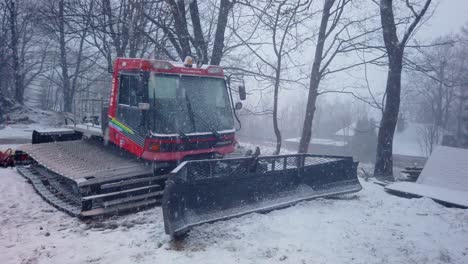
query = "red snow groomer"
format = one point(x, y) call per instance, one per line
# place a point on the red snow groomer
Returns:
point(166, 137)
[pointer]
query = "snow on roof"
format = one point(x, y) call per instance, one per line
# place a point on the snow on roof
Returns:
point(195, 66)
point(346, 131)
point(53, 130)
point(446, 167)
point(409, 142)
point(437, 193)
point(444, 177)
point(320, 141)
point(173, 63)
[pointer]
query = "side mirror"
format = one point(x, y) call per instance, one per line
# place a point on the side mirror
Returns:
point(242, 93)
point(143, 106)
point(238, 106)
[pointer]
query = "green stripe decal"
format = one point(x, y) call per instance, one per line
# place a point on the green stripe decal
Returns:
point(122, 126)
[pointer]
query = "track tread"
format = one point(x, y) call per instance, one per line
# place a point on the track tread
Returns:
point(47, 193)
point(56, 194)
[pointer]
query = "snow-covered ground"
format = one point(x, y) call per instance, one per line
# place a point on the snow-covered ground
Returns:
point(368, 227)
point(13, 135)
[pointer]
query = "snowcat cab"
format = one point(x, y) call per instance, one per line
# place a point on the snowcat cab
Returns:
point(168, 112)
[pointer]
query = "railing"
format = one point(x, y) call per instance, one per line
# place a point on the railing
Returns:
point(203, 169)
point(89, 110)
point(205, 191)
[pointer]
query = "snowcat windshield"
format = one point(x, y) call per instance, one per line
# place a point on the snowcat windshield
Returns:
point(189, 104)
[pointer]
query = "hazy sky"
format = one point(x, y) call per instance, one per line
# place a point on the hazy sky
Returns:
point(449, 17)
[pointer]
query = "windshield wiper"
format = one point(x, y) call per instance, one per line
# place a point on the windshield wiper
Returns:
point(193, 114)
point(180, 132)
point(162, 118)
point(212, 130)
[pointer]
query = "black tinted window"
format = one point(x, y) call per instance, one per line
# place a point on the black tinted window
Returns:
point(128, 90)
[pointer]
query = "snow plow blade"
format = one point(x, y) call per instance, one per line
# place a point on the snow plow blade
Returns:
point(206, 191)
point(54, 135)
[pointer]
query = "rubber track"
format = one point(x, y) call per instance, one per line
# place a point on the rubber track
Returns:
point(50, 192)
point(46, 191)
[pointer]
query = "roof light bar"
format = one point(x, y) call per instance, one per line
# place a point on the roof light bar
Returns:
point(162, 65)
point(215, 70)
point(188, 62)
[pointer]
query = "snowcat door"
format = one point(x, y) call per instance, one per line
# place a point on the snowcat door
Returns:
point(131, 94)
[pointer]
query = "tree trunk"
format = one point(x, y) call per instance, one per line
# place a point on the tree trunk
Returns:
point(460, 116)
point(17, 71)
point(309, 117)
point(3, 67)
point(384, 159)
point(180, 24)
point(275, 109)
point(119, 37)
point(384, 156)
point(315, 78)
point(218, 45)
point(76, 74)
point(200, 43)
point(67, 95)
point(137, 26)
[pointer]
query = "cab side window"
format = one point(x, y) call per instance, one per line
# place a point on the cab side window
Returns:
point(128, 90)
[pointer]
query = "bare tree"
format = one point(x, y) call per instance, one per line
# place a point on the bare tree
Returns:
point(67, 87)
point(277, 20)
point(4, 49)
point(438, 89)
point(395, 51)
point(25, 54)
point(69, 35)
point(437, 82)
point(124, 23)
point(14, 46)
point(117, 24)
point(462, 109)
point(430, 136)
point(218, 43)
point(334, 38)
point(177, 30)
